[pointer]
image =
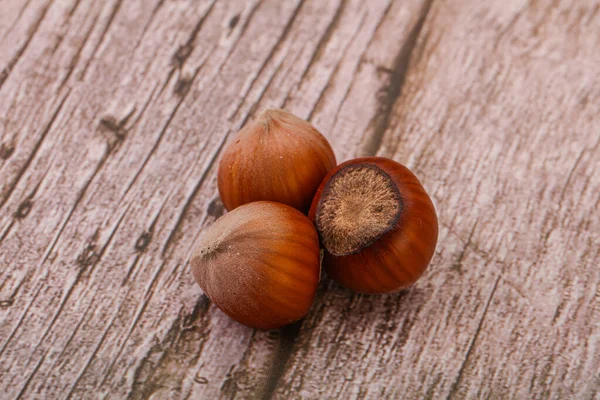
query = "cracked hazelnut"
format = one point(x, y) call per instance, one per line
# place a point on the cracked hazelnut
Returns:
point(377, 224)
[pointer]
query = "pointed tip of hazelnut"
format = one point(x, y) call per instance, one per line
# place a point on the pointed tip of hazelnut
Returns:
point(265, 118)
point(268, 114)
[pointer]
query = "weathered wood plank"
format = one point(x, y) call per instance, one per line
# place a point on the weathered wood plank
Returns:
point(120, 225)
point(499, 117)
point(114, 112)
point(88, 253)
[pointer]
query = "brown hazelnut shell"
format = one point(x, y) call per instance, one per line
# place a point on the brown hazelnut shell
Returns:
point(259, 264)
point(277, 157)
point(398, 257)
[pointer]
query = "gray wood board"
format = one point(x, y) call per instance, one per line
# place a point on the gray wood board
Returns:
point(113, 113)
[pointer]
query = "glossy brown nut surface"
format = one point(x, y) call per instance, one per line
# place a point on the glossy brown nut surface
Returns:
point(365, 257)
point(277, 157)
point(259, 264)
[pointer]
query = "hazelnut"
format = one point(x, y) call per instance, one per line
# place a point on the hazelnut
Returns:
point(278, 157)
point(377, 224)
point(259, 264)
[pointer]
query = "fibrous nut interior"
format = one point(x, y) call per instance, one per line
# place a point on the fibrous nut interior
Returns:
point(359, 204)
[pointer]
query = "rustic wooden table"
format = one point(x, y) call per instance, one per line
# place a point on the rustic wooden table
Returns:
point(113, 112)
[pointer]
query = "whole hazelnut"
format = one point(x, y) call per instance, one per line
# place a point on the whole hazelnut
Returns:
point(278, 157)
point(259, 264)
point(377, 224)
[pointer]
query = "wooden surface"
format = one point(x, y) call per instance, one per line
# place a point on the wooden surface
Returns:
point(113, 112)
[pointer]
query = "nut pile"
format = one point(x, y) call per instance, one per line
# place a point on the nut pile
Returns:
point(287, 199)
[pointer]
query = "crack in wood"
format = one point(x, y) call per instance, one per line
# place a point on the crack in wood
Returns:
point(287, 340)
point(184, 51)
point(146, 300)
point(147, 377)
point(454, 388)
point(318, 103)
point(155, 10)
point(111, 17)
point(29, 379)
point(159, 139)
point(86, 260)
point(349, 87)
point(7, 303)
point(117, 128)
point(92, 356)
point(77, 55)
point(4, 234)
point(174, 235)
point(20, 321)
point(321, 44)
point(274, 50)
point(5, 73)
point(7, 193)
point(390, 94)
point(12, 26)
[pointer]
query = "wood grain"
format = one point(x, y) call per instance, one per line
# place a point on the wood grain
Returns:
point(112, 114)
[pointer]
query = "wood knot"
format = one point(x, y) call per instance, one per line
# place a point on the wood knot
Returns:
point(183, 84)
point(234, 21)
point(182, 54)
point(111, 124)
point(6, 150)
point(3, 75)
point(88, 257)
point(23, 209)
point(116, 127)
point(143, 241)
point(6, 303)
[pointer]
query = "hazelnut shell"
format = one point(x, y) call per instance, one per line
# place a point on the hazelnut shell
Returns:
point(398, 254)
point(277, 157)
point(259, 264)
